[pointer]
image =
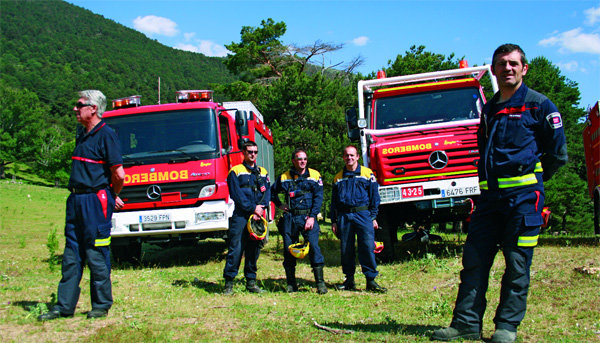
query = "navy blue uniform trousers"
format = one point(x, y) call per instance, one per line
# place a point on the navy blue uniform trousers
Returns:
point(511, 224)
point(293, 226)
point(88, 222)
point(240, 243)
point(357, 224)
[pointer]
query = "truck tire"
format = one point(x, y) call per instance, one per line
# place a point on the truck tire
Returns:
point(130, 252)
point(387, 234)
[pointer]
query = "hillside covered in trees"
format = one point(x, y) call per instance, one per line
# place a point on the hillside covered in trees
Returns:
point(51, 49)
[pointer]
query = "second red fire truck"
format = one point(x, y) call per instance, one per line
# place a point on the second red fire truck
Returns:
point(418, 135)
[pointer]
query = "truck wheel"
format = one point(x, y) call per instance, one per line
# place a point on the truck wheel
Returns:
point(130, 252)
point(388, 235)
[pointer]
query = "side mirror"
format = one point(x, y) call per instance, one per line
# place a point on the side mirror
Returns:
point(352, 124)
point(241, 122)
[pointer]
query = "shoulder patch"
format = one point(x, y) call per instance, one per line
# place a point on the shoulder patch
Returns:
point(554, 120)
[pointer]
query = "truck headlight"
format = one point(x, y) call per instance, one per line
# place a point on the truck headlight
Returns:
point(209, 216)
point(207, 191)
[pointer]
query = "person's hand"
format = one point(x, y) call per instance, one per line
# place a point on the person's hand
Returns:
point(259, 211)
point(310, 223)
point(284, 207)
point(119, 203)
point(375, 224)
point(335, 229)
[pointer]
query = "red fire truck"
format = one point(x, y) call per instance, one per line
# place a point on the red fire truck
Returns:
point(418, 135)
point(591, 142)
point(176, 158)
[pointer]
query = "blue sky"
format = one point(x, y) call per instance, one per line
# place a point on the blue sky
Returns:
point(565, 32)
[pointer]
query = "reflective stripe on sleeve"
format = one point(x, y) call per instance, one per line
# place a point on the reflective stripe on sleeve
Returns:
point(483, 185)
point(102, 242)
point(538, 168)
point(528, 241)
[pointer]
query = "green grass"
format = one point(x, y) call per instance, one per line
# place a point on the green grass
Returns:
point(175, 294)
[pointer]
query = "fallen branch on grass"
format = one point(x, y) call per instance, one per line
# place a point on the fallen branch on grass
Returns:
point(589, 270)
point(334, 331)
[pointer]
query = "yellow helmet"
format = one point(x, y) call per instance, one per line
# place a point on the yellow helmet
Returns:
point(257, 228)
point(299, 250)
point(378, 247)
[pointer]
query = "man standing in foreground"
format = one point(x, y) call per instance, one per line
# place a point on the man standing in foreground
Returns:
point(354, 206)
point(97, 177)
point(521, 144)
point(303, 190)
point(250, 190)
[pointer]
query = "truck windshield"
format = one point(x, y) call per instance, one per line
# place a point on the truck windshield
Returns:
point(428, 108)
point(166, 136)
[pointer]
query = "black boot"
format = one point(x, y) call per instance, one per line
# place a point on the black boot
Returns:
point(372, 286)
point(348, 284)
point(321, 287)
point(252, 287)
point(228, 290)
point(290, 276)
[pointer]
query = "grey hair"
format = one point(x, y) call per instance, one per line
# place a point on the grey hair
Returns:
point(95, 97)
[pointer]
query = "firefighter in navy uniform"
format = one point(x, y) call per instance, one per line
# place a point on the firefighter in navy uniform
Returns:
point(303, 190)
point(521, 144)
point(251, 192)
point(97, 177)
point(354, 207)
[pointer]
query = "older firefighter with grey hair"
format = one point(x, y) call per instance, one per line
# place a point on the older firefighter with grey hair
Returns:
point(97, 177)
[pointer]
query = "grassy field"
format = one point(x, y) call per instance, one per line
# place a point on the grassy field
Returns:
point(175, 294)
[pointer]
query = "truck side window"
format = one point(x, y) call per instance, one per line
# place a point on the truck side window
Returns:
point(224, 128)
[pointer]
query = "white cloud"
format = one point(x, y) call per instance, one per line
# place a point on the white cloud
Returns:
point(592, 15)
point(189, 35)
point(574, 41)
point(205, 47)
point(360, 41)
point(151, 24)
point(187, 47)
point(568, 66)
point(210, 48)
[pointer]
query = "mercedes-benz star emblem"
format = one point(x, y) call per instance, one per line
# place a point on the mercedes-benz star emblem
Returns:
point(438, 159)
point(153, 192)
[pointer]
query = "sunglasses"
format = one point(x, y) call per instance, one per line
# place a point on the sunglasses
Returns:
point(252, 152)
point(80, 105)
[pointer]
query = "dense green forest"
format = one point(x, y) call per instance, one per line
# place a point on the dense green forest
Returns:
point(51, 49)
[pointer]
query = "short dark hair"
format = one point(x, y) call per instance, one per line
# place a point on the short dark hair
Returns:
point(351, 146)
point(508, 48)
point(247, 144)
point(297, 151)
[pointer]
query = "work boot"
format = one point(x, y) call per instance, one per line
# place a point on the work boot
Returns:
point(97, 313)
point(52, 314)
point(504, 336)
point(290, 276)
point(252, 287)
point(321, 287)
point(451, 334)
point(348, 284)
point(228, 290)
point(372, 286)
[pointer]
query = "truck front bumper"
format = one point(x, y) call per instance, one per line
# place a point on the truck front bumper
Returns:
point(210, 216)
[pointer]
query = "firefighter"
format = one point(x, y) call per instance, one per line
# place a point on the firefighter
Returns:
point(303, 191)
point(521, 144)
point(354, 206)
point(97, 177)
point(250, 190)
